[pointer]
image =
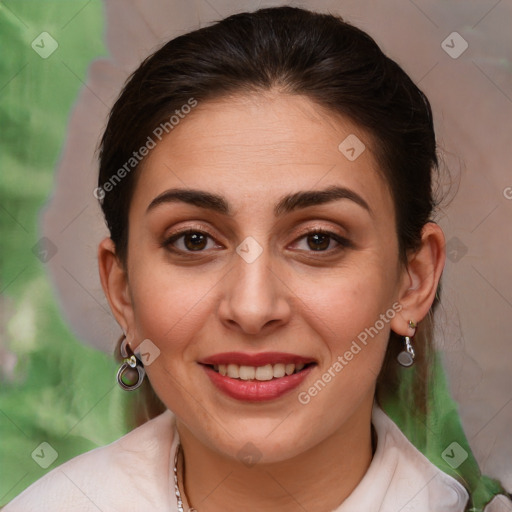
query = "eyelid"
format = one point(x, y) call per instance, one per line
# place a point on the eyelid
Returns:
point(318, 229)
point(191, 227)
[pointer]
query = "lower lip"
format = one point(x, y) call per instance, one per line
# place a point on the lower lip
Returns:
point(256, 390)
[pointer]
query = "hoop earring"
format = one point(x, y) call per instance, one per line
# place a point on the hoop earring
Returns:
point(131, 373)
point(407, 355)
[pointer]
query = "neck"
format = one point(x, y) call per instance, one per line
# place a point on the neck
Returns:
point(319, 479)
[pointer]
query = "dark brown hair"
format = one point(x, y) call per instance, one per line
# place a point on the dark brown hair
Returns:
point(294, 51)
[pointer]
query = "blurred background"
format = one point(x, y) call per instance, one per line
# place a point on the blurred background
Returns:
point(63, 65)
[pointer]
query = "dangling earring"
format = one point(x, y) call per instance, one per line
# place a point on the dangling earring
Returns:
point(406, 356)
point(131, 373)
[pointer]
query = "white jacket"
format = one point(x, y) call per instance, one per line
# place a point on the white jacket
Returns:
point(135, 474)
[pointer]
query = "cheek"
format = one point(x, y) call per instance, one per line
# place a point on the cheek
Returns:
point(345, 303)
point(351, 319)
point(151, 299)
point(169, 303)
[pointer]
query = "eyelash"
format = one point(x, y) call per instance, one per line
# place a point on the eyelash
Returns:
point(343, 242)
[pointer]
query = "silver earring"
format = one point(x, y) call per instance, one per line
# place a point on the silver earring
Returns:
point(131, 373)
point(407, 355)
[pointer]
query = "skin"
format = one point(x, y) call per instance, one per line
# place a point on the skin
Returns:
point(253, 150)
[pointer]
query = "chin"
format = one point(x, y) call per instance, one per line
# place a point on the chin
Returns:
point(256, 446)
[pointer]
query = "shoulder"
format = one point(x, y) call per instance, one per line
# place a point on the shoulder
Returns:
point(417, 478)
point(401, 478)
point(418, 483)
point(500, 503)
point(132, 470)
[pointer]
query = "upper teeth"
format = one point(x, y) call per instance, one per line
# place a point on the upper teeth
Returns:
point(266, 372)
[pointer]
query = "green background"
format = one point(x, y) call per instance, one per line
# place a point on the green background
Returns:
point(60, 391)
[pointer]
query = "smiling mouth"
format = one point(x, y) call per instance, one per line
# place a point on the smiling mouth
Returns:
point(259, 373)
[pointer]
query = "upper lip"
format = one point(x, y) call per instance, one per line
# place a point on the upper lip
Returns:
point(260, 359)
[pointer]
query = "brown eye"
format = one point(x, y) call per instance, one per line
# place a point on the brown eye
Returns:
point(318, 241)
point(322, 241)
point(189, 241)
point(195, 241)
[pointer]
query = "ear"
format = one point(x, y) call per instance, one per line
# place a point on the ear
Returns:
point(114, 281)
point(420, 279)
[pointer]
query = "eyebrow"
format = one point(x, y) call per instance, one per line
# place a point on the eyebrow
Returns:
point(287, 204)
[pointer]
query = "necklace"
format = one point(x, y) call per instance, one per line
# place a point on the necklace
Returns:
point(176, 487)
point(177, 492)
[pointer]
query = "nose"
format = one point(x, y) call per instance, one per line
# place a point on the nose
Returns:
point(255, 298)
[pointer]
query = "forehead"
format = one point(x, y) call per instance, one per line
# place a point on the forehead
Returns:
point(263, 145)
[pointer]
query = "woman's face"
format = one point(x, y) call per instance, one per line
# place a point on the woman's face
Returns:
point(249, 279)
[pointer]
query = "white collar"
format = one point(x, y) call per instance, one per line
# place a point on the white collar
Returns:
point(401, 478)
point(136, 473)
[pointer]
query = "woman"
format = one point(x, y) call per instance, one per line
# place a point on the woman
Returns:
point(273, 265)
